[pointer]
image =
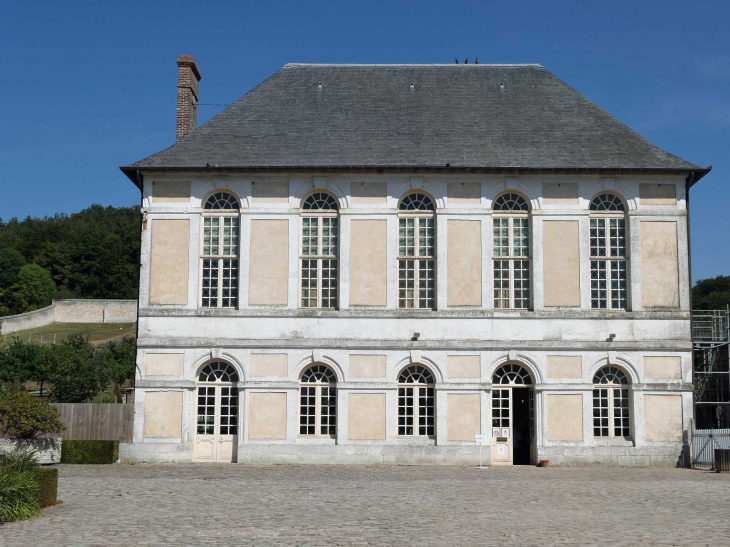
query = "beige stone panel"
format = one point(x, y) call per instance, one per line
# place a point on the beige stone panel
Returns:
point(369, 192)
point(561, 263)
point(463, 416)
point(270, 192)
point(662, 368)
point(368, 262)
point(269, 365)
point(267, 415)
point(565, 417)
point(464, 193)
point(163, 414)
point(464, 264)
point(366, 416)
point(164, 364)
point(463, 366)
point(564, 366)
point(663, 418)
point(169, 261)
point(658, 194)
point(560, 193)
point(659, 266)
point(367, 366)
point(168, 191)
point(269, 263)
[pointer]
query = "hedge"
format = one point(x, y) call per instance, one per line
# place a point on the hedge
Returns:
point(47, 478)
point(89, 451)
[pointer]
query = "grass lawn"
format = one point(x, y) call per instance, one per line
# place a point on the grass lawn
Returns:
point(97, 332)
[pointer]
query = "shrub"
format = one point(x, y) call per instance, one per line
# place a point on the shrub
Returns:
point(47, 478)
point(89, 451)
point(23, 416)
point(19, 488)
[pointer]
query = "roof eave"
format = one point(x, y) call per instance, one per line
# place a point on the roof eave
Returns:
point(694, 174)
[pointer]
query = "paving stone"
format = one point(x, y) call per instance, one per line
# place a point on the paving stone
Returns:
point(187, 504)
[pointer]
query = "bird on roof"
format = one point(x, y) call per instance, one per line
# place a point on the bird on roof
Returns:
point(466, 61)
point(456, 61)
point(476, 61)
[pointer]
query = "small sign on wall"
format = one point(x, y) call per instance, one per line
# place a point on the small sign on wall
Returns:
point(505, 432)
point(480, 439)
point(495, 432)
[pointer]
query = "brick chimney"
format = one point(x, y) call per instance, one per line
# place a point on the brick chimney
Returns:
point(187, 96)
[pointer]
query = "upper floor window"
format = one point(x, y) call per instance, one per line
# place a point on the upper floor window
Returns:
point(319, 251)
point(222, 201)
point(416, 408)
point(416, 253)
point(511, 252)
point(220, 251)
point(318, 402)
point(611, 411)
point(608, 253)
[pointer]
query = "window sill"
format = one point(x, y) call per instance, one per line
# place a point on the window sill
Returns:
point(612, 442)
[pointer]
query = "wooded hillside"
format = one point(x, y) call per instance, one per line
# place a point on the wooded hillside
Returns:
point(90, 254)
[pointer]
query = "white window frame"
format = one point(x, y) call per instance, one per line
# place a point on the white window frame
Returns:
point(318, 387)
point(429, 261)
point(511, 216)
point(320, 215)
point(605, 262)
point(220, 257)
point(611, 388)
point(416, 406)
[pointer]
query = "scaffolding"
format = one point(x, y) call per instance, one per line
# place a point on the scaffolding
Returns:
point(710, 341)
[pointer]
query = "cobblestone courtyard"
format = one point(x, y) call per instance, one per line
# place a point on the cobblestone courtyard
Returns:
point(355, 505)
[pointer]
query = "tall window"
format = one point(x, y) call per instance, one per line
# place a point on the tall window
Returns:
point(611, 414)
point(219, 279)
point(319, 251)
point(217, 404)
point(511, 252)
point(416, 409)
point(416, 253)
point(318, 402)
point(608, 253)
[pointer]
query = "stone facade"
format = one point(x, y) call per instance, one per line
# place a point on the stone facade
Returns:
point(269, 340)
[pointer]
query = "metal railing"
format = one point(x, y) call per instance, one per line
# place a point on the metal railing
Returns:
point(703, 445)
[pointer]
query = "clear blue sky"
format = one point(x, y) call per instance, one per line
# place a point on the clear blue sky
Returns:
point(88, 86)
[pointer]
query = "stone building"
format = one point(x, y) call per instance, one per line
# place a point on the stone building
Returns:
point(412, 264)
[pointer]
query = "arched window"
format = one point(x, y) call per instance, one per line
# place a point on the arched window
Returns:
point(416, 409)
point(319, 251)
point(219, 257)
point(511, 252)
point(611, 412)
point(217, 399)
point(512, 374)
point(609, 255)
point(416, 253)
point(222, 201)
point(318, 402)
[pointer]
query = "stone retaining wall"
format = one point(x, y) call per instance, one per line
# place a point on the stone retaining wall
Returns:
point(72, 311)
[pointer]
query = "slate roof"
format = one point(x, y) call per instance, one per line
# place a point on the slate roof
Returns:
point(414, 116)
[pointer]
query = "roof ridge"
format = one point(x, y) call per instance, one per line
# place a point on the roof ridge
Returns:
point(480, 65)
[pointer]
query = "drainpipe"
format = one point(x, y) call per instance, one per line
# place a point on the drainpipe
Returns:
point(691, 179)
point(140, 185)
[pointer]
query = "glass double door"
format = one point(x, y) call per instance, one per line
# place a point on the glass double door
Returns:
point(513, 426)
point(216, 424)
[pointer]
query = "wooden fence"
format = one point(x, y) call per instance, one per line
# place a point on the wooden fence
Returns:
point(96, 421)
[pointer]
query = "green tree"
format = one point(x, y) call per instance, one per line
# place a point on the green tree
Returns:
point(711, 294)
point(35, 288)
point(18, 362)
point(25, 417)
point(118, 359)
point(75, 374)
point(11, 261)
